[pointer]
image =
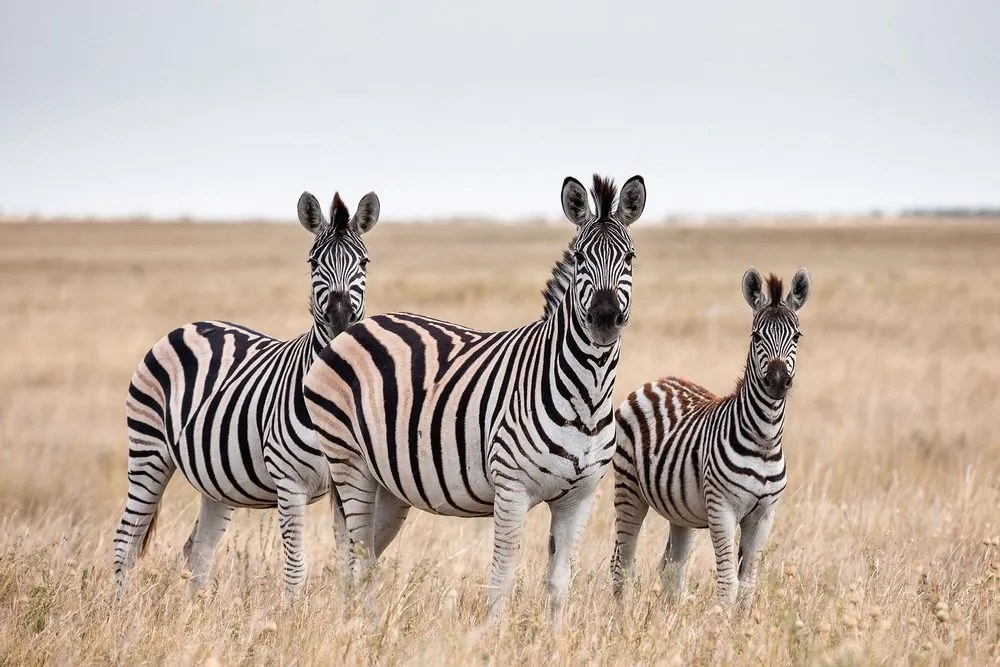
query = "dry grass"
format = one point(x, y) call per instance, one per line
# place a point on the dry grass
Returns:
point(886, 544)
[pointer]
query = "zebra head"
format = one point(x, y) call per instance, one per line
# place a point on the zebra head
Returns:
point(338, 260)
point(775, 331)
point(602, 253)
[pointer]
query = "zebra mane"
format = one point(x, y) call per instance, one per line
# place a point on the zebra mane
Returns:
point(604, 193)
point(558, 284)
point(340, 217)
point(775, 288)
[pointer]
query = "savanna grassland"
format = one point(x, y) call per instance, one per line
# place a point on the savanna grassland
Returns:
point(886, 548)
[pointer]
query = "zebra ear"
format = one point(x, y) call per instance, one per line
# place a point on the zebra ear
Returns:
point(798, 293)
point(367, 214)
point(575, 203)
point(632, 200)
point(311, 214)
point(753, 288)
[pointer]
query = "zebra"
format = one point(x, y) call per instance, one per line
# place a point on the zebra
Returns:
point(223, 403)
point(414, 411)
point(702, 461)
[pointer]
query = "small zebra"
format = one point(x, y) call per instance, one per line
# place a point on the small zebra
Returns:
point(416, 412)
point(703, 461)
point(223, 403)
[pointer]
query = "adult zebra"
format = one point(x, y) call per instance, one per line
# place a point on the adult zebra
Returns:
point(708, 462)
point(416, 412)
point(223, 403)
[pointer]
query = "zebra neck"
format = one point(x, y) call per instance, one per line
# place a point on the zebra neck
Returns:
point(760, 418)
point(580, 375)
point(319, 338)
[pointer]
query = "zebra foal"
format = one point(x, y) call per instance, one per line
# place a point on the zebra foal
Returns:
point(223, 404)
point(702, 461)
point(416, 412)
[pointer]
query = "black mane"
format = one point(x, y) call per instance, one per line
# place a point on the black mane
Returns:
point(558, 283)
point(775, 288)
point(604, 193)
point(340, 217)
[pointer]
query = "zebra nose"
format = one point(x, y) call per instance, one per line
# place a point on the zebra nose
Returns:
point(338, 310)
point(777, 379)
point(604, 312)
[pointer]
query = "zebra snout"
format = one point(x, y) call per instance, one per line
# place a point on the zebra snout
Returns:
point(338, 310)
point(777, 379)
point(605, 317)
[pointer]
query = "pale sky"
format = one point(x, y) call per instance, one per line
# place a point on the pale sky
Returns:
point(231, 109)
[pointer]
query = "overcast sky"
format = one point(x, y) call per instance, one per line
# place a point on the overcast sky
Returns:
point(448, 108)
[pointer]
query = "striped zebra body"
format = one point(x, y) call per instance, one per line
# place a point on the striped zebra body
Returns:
point(416, 412)
point(702, 461)
point(223, 404)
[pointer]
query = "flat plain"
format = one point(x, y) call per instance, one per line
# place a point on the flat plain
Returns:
point(886, 547)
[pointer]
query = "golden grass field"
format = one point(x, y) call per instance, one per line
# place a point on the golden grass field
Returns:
point(886, 548)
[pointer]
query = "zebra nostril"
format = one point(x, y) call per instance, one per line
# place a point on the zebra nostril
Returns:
point(619, 320)
point(788, 382)
point(590, 318)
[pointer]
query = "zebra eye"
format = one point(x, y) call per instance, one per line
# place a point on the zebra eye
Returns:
point(757, 338)
point(364, 262)
point(797, 336)
point(578, 257)
point(630, 257)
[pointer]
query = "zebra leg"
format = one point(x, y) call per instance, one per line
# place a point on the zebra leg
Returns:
point(212, 523)
point(569, 517)
point(673, 565)
point(722, 527)
point(291, 517)
point(189, 544)
point(149, 470)
point(510, 509)
point(390, 513)
point(357, 492)
point(630, 512)
point(345, 552)
point(754, 530)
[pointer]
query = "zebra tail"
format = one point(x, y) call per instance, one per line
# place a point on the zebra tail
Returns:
point(149, 532)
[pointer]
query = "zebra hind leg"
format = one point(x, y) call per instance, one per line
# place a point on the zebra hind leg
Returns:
point(356, 491)
point(189, 544)
point(149, 471)
point(390, 513)
point(212, 523)
point(673, 564)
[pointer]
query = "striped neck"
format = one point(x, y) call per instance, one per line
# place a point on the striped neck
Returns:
point(581, 374)
point(761, 419)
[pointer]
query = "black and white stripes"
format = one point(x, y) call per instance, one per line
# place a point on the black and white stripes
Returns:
point(708, 462)
point(224, 404)
point(416, 412)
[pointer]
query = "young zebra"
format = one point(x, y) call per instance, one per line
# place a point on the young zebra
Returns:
point(416, 412)
point(707, 462)
point(224, 404)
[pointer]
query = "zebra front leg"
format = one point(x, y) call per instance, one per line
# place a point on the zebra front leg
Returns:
point(390, 513)
point(569, 518)
point(510, 509)
point(754, 530)
point(630, 512)
point(292, 502)
point(212, 523)
point(673, 565)
point(722, 527)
